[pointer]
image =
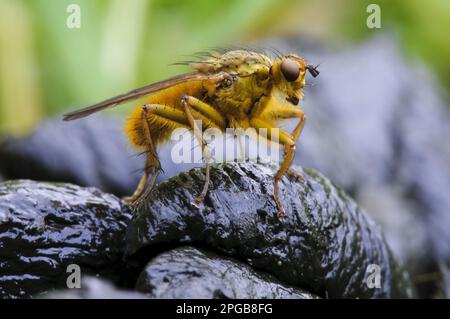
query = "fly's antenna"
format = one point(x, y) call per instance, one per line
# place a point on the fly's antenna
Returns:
point(313, 70)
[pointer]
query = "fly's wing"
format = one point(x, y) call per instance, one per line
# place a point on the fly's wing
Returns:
point(146, 90)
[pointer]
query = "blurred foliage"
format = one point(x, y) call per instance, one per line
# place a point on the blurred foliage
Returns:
point(421, 27)
point(46, 68)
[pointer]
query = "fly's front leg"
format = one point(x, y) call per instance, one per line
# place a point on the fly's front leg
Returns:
point(288, 157)
point(295, 135)
point(275, 111)
point(215, 119)
point(289, 146)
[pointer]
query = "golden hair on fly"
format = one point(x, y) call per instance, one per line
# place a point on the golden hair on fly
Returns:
point(228, 88)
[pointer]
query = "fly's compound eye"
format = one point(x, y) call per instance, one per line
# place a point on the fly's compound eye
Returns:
point(290, 70)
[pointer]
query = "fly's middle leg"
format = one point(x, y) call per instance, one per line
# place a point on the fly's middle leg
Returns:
point(193, 106)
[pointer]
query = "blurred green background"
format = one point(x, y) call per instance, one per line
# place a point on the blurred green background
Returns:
point(47, 68)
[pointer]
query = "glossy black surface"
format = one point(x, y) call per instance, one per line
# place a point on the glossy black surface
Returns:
point(325, 245)
point(46, 227)
point(190, 273)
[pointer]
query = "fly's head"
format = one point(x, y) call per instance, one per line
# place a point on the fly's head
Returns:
point(288, 75)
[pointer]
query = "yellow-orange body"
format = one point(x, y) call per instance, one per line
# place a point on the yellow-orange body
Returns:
point(254, 95)
point(234, 89)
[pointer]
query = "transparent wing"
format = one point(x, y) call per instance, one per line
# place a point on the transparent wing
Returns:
point(132, 95)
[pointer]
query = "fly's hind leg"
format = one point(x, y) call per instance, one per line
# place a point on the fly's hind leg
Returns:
point(204, 111)
point(152, 164)
point(161, 117)
point(142, 182)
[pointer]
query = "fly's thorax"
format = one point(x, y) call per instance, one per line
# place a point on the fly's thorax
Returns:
point(238, 99)
point(239, 62)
